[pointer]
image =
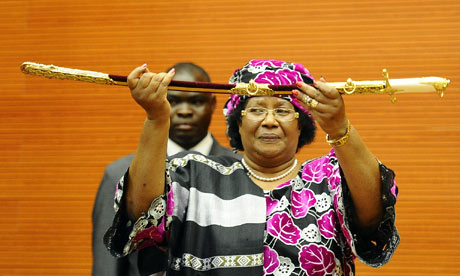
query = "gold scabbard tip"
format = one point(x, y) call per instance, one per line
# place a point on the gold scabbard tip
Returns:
point(25, 66)
point(55, 72)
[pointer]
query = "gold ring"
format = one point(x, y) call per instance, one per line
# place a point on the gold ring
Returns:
point(307, 100)
point(314, 103)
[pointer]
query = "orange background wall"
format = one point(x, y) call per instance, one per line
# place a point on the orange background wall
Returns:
point(57, 136)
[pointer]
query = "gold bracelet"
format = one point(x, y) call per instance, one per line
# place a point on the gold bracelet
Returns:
point(342, 140)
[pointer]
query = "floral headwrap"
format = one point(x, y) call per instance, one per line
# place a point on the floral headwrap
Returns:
point(272, 72)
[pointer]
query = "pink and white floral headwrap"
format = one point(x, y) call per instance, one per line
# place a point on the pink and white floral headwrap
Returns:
point(272, 72)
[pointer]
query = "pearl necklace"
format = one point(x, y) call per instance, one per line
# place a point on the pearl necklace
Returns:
point(268, 179)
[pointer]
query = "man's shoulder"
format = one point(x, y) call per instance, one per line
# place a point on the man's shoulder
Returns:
point(217, 149)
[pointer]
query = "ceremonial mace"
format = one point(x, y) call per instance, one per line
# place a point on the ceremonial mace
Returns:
point(350, 87)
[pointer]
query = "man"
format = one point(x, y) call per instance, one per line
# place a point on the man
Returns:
point(190, 118)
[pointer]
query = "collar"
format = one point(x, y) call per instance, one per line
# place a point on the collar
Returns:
point(203, 147)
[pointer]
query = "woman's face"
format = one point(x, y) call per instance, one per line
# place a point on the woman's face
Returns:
point(269, 141)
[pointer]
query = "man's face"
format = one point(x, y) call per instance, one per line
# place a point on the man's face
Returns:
point(191, 114)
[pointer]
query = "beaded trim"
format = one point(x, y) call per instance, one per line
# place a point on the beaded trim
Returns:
point(268, 179)
point(206, 264)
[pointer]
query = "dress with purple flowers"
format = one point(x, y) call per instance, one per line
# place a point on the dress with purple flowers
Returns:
point(213, 220)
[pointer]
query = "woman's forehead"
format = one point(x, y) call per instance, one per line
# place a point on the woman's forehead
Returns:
point(268, 101)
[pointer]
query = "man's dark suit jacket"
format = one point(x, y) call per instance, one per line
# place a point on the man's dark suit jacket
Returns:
point(104, 264)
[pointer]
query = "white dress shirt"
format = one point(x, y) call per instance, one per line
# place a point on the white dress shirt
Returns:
point(203, 147)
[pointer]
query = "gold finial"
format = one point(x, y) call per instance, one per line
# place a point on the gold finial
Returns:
point(439, 84)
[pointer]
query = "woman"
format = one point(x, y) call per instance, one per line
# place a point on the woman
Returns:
point(266, 214)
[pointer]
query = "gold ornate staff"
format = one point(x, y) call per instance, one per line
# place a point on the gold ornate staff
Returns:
point(350, 87)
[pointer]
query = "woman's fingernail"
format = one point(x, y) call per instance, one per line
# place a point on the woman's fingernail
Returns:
point(315, 83)
point(295, 93)
point(172, 71)
point(144, 65)
point(299, 84)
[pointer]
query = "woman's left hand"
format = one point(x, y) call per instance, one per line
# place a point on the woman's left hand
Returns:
point(329, 108)
point(359, 165)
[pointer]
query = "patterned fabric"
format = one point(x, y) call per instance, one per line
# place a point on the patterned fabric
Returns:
point(214, 220)
point(214, 262)
point(272, 72)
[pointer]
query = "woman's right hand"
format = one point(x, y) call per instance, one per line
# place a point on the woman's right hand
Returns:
point(149, 90)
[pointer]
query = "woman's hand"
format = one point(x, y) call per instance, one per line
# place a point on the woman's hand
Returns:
point(359, 165)
point(329, 112)
point(149, 90)
point(146, 173)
